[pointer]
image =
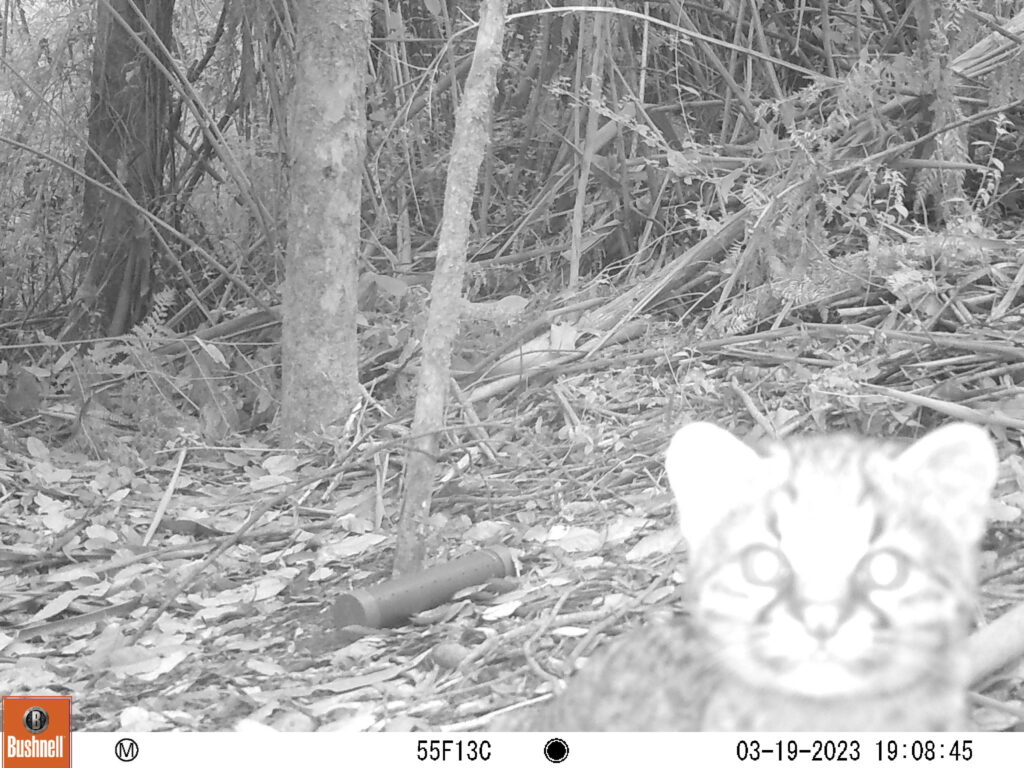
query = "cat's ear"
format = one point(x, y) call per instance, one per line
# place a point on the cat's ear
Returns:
point(958, 463)
point(708, 470)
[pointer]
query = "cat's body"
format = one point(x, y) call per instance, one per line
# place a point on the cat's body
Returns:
point(831, 584)
point(656, 679)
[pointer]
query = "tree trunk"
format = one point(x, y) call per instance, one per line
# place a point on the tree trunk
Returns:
point(327, 140)
point(128, 116)
point(471, 133)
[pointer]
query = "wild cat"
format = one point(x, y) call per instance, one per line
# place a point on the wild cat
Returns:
point(831, 584)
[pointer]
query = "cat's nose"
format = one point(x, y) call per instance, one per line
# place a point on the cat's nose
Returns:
point(821, 619)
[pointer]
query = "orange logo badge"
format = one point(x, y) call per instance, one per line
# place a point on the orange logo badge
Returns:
point(36, 732)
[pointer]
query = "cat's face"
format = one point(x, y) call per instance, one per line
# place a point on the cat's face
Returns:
point(832, 566)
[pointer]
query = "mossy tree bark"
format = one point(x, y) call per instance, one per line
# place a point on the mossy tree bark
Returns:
point(327, 139)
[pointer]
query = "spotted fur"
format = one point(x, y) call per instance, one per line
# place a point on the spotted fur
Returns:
point(831, 584)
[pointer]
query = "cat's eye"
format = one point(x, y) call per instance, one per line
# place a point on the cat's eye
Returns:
point(884, 569)
point(764, 566)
